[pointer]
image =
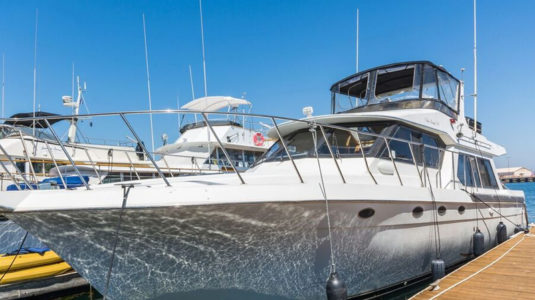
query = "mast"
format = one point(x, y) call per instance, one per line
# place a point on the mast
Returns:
point(357, 45)
point(76, 110)
point(475, 70)
point(148, 83)
point(35, 68)
point(203, 55)
point(3, 81)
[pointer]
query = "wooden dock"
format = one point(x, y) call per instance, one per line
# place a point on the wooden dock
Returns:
point(504, 272)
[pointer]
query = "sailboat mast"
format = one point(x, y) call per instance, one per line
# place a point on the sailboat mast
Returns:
point(475, 70)
point(203, 55)
point(357, 45)
point(3, 81)
point(35, 68)
point(148, 84)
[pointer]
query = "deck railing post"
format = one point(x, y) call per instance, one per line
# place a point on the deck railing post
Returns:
point(16, 168)
point(167, 165)
point(286, 149)
point(56, 165)
point(132, 164)
point(66, 154)
point(32, 171)
point(392, 159)
point(416, 164)
point(221, 146)
point(140, 143)
point(363, 155)
point(332, 154)
point(93, 165)
point(11, 176)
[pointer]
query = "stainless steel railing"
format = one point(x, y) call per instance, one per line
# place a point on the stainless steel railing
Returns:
point(311, 123)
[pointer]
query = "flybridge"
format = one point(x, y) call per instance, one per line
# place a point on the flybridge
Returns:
point(417, 84)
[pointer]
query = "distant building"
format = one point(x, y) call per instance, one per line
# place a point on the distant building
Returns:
point(516, 172)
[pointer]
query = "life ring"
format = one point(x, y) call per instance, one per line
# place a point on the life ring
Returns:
point(258, 139)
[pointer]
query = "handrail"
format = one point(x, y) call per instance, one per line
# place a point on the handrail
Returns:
point(222, 147)
point(56, 165)
point(144, 149)
point(67, 154)
point(283, 143)
point(16, 168)
point(355, 133)
point(332, 154)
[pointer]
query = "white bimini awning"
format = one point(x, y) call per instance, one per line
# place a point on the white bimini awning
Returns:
point(214, 103)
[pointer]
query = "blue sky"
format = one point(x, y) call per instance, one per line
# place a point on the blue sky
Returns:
point(283, 54)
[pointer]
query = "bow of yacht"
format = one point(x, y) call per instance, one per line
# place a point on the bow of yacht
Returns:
point(394, 178)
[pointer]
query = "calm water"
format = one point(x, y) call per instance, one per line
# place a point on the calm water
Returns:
point(529, 190)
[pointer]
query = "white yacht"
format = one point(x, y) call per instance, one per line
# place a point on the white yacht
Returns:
point(393, 179)
point(197, 148)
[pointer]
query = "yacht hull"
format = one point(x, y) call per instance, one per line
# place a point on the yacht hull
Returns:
point(271, 250)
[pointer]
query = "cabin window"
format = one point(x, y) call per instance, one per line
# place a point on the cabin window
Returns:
point(465, 171)
point(353, 94)
point(475, 171)
point(488, 180)
point(397, 83)
point(432, 154)
point(448, 89)
point(400, 150)
point(429, 87)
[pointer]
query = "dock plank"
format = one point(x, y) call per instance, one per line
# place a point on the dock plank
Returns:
point(504, 272)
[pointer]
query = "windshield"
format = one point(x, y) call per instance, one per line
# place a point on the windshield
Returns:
point(343, 143)
point(7, 131)
point(388, 87)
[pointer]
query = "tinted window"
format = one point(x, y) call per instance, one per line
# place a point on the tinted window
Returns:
point(400, 150)
point(464, 171)
point(486, 173)
point(432, 155)
point(474, 170)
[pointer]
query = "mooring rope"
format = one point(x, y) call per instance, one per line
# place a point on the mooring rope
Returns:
point(126, 191)
point(324, 193)
point(14, 258)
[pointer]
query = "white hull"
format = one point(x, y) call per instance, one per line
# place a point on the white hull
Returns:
point(254, 248)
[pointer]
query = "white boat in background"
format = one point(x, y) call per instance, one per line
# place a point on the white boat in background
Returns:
point(197, 148)
point(37, 154)
point(395, 178)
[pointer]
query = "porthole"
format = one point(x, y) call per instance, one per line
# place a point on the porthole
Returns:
point(461, 209)
point(442, 210)
point(366, 213)
point(417, 212)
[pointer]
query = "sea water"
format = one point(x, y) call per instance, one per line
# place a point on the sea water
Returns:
point(529, 191)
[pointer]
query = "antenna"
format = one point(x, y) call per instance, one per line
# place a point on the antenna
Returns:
point(3, 81)
point(475, 70)
point(35, 68)
point(357, 44)
point(203, 56)
point(148, 82)
point(178, 107)
point(191, 83)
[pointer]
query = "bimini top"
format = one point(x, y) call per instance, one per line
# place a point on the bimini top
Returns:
point(415, 84)
point(30, 123)
point(215, 103)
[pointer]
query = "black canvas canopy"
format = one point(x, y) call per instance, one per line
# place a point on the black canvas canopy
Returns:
point(29, 123)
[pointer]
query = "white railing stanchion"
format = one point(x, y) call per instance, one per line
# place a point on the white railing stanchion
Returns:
point(140, 143)
point(56, 165)
point(332, 154)
point(392, 159)
point(286, 149)
point(132, 165)
point(67, 154)
point(93, 165)
point(16, 168)
point(222, 148)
